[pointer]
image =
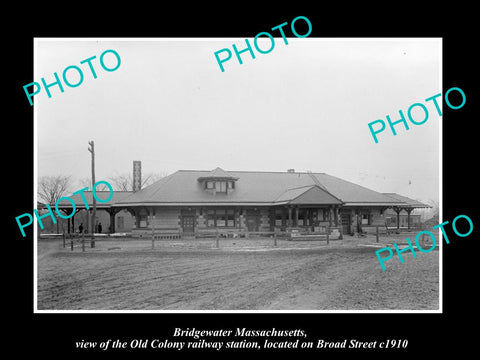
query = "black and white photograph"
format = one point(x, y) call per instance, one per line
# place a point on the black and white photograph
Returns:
point(220, 180)
point(259, 187)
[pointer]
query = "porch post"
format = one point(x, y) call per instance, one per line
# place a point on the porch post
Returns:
point(152, 218)
point(408, 217)
point(397, 210)
point(112, 211)
point(73, 222)
point(295, 224)
point(289, 224)
point(152, 225)
point(87, 227)
point(336, 215)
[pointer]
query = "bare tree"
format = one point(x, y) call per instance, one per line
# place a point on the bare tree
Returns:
point(435, 208)
point(87, 182)
point(151, 178)
point(124, 182)
point(52, 188)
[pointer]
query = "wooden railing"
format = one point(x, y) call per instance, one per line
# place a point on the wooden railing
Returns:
point(78, 240)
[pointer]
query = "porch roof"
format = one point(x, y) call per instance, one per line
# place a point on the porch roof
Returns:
point(80, 204)
point(406, 201)
point(312, 194)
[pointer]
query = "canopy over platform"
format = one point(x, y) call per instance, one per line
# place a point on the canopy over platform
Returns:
point(406, 202)
point(81, 204)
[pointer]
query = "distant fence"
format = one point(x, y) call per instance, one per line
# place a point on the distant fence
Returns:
point(327, 234)
point(295, 234)
point(77, 240)
point(83, 240)
point(215, 234)
point(379, 230)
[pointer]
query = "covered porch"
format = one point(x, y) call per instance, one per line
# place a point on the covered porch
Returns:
point(105, 213)
point(408, 205)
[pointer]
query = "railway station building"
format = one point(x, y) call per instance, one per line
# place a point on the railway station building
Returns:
point(192, 201)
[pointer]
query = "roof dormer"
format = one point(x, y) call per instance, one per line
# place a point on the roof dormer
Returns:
point(218, 181)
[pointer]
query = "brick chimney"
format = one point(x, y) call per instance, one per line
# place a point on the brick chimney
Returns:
point(137, 176)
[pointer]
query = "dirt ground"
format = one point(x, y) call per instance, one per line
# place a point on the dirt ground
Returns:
point(125, 274)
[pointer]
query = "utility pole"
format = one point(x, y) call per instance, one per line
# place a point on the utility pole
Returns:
point(94, 214)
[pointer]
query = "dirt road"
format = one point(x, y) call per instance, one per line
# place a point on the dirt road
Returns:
point(319, 278)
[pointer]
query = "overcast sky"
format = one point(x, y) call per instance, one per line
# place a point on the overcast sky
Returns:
point(305, 105)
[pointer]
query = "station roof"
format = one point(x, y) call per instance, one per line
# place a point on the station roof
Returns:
point(256, 187)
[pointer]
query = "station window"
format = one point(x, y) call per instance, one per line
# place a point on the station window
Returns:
point(365, 219)
point(221, 218)
point(211, 218)
point(221, 186)
point(142, 223)
point(230, 218)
